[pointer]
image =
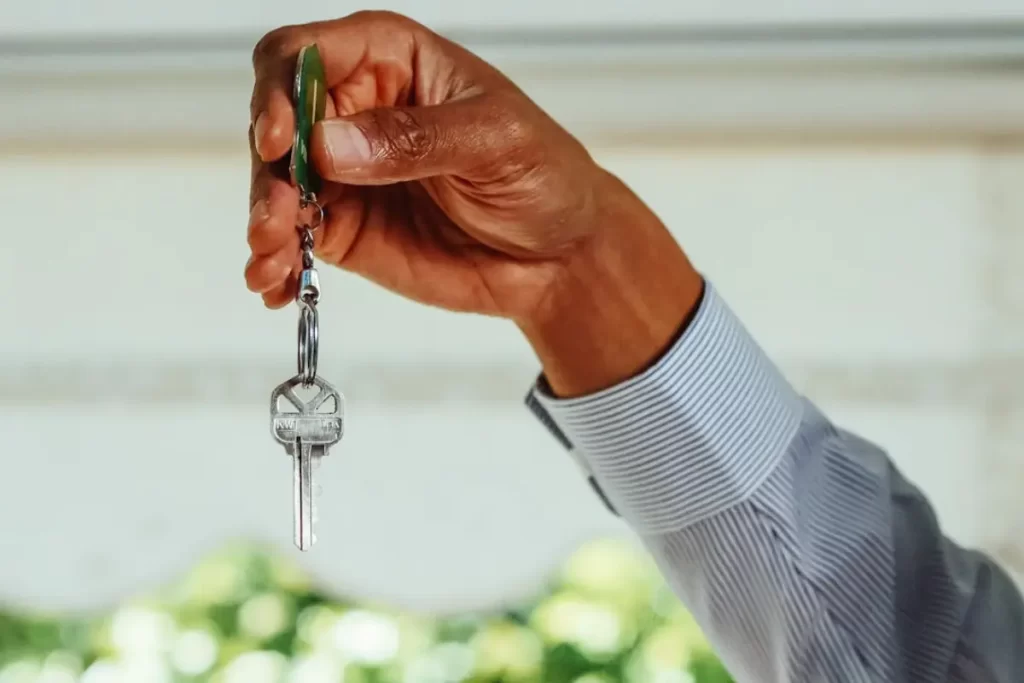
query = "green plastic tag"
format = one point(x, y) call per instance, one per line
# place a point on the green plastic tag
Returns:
point(310, 100)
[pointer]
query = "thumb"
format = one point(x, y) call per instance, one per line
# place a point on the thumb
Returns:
point(395, 144)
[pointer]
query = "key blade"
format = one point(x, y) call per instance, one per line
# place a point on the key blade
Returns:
point(303, 495)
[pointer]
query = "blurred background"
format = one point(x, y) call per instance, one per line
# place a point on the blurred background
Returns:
point(858, 165)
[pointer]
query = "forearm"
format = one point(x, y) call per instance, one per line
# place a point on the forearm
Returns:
point(800, 549)
point(835, 569)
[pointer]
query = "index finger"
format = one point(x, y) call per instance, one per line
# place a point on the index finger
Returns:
point(345, 44)
point(272, 116)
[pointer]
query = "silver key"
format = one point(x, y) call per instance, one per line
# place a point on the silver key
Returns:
point(307, 432)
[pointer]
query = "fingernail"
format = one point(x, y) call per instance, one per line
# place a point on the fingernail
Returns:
point(347, 147)
point(259, 131)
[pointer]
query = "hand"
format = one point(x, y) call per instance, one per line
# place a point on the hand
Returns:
point(448, 185)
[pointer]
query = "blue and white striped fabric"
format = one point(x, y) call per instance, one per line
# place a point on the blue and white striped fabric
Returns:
point(798, 546)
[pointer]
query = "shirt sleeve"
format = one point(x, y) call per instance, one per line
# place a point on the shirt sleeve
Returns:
point(798, 546)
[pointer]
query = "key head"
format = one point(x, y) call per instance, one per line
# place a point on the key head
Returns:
point(318, 421)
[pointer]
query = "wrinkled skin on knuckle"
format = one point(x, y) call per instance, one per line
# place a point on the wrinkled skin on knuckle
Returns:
point(519, 130)
point(506, 136)
point(533, 156)
point(403, 136)
point(509, 119)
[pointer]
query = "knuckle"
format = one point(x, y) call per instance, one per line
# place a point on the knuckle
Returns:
point(518, 133)
point(271, 45)
point(380, 17)
point(404, 136)
point(515, 128)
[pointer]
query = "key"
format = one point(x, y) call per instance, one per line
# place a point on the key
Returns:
point(307, 430)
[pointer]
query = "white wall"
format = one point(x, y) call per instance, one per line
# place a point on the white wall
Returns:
point(134, 366)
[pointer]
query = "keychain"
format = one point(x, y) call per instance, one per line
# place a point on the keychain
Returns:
point(307, 429)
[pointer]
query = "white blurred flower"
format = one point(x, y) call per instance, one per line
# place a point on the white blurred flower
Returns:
point(288, 574)
point(314, 625)
point(215, 581)
point(365, 637)
point(264, 616)
point(607, 567)
point(456, 660)
point(673, 676)
point(60, 667)
point(194, 652)
point(103, 671)
point(672, 645)
point(598, 631)
point(507, 650)
point(591, 626)
point(136, 629)
point(21, 671)
point(425, 670)
point(256, 667)
point(56, 676)
point(593, 678)
point(316, 668)
point(151, 668)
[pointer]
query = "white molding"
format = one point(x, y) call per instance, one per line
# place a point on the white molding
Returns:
point(950, 82)
point(190, 17)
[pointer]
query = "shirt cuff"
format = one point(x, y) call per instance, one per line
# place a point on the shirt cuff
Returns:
point(690, 437)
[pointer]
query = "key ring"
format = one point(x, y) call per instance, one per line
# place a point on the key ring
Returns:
point(309, 342)
point(307, 296)
point(307, 200)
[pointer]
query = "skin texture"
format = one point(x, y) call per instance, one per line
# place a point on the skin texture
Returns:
point(447, 185)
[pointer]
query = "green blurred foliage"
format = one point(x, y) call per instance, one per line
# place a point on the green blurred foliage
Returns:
point(248, 616)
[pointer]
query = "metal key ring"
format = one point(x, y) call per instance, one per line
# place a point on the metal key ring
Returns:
point(318, 216)
point(309, 342)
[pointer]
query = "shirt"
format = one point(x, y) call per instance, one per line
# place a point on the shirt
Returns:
point(799, 548)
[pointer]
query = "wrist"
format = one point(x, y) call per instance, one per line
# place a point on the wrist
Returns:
point(618, 302)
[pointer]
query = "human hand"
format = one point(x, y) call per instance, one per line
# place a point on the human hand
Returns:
point(445, 184)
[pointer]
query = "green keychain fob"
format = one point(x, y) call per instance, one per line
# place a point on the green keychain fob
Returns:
point(310, 100)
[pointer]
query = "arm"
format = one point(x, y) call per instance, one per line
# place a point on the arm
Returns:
point(803, 553)
point(800, 549)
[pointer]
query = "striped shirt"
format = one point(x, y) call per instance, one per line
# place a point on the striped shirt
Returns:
point(798, 546)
